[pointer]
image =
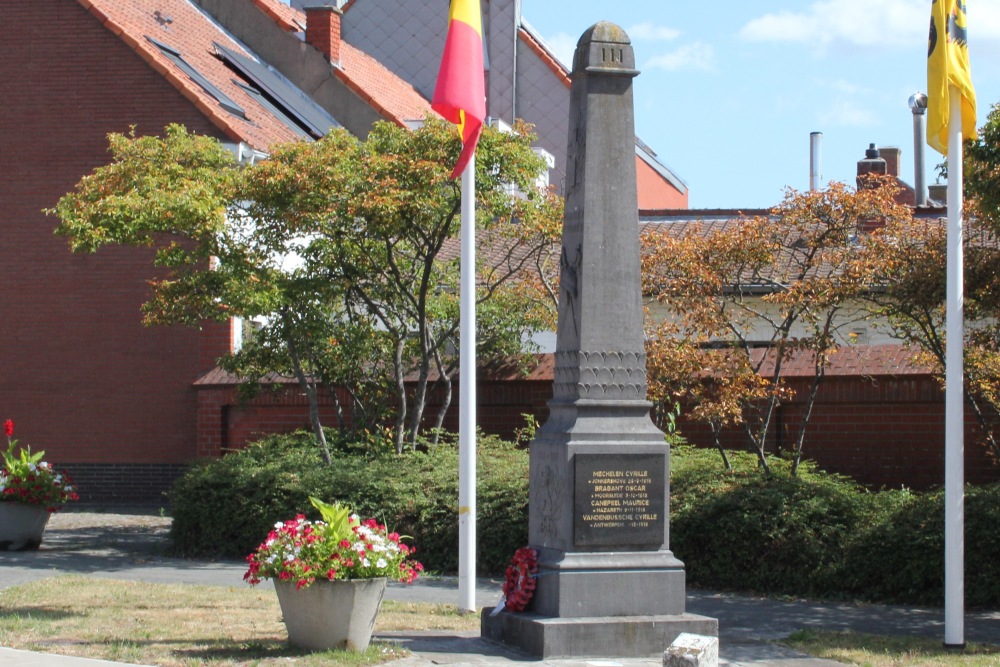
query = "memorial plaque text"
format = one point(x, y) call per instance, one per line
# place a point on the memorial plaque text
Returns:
point(619, 499)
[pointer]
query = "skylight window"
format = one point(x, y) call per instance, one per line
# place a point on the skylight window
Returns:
point(175, 57)
point(290, 101)
point(274, 110)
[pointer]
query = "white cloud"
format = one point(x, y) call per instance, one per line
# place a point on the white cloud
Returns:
point(650, 31)
point(984, 21)
point(562, 46)
point(693, 56)
point(855, 22)
point(847, 113)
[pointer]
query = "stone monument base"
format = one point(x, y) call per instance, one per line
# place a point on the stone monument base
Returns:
point(598, 637)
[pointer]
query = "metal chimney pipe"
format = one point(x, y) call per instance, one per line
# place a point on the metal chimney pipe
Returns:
point(815, 158)
point(918, 105)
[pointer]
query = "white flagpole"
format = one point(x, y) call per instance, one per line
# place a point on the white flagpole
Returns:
point(467, 398)
point(954, 455)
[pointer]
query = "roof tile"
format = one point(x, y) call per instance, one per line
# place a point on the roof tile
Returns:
point(181, 26)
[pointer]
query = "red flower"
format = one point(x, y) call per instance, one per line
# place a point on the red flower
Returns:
point(8, 427)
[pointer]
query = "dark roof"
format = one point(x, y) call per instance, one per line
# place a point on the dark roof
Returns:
point(292, 103)
point(177, 40)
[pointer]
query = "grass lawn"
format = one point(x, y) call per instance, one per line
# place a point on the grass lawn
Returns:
point(184, 626)
point(879, 651)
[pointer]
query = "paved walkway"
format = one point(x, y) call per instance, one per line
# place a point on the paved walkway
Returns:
point(130, 547)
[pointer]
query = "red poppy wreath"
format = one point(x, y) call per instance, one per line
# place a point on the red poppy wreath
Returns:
point(519, 586)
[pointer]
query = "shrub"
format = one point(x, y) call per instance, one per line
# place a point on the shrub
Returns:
point(817, 535)
point(225, 507)
point(822, 535)
point(742, 530)
point(899, 556)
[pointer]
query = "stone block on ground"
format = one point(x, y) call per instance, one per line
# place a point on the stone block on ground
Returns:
point(690, 650)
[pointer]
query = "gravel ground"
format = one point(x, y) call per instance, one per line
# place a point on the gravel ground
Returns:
point(76, 520)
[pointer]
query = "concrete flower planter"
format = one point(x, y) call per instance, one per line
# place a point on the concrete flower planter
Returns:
point(21, 526)
point(331, 614)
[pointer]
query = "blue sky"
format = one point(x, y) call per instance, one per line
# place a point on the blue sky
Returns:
point(730, 90)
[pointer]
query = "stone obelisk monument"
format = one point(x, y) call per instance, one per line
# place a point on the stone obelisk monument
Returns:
point(608, 584)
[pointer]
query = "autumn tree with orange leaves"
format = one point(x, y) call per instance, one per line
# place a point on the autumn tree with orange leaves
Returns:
point(742, 298)
point(914, 296)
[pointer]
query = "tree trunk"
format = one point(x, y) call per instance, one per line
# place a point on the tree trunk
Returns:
point(397, 363)
point(444, 379)
point(309, 387)
point(716, 432)
point(810, 402)
point(420, 394)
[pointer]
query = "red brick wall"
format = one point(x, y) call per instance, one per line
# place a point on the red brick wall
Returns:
point(225, 422)
point(81, 376)
point(887, 431)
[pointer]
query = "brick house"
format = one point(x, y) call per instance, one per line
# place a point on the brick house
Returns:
point(524, 78)
point(125, 407)
point(107, 398)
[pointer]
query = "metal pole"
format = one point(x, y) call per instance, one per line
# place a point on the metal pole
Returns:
point(815, 159)
point(954, 453)
point(918, 105)
point(467, 398)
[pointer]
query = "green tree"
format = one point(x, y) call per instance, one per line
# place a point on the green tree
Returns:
point(345, 252)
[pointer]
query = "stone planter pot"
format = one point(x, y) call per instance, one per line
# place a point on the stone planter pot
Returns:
point(330, 614)
point(21, 526)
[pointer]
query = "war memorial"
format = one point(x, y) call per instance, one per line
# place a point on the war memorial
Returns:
point(607, 582)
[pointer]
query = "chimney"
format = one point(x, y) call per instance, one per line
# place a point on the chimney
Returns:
point(872, 164)
point(938, 194)
point(323, 30)
point(815, 160)
point(891, 155)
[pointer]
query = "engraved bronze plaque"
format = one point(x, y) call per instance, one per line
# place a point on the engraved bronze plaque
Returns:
point(619, 499)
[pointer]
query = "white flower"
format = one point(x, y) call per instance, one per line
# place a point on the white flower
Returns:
point(279, 526)
point(380, 563)
point(32, 467)
point(366, 562)
point(359, 547)
point(378, 548)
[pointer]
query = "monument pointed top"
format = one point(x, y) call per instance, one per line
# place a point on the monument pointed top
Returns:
point(604, 31)
point(605, 48)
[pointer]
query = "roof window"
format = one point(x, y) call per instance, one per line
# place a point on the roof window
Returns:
point(175, 57)
point(283, 97)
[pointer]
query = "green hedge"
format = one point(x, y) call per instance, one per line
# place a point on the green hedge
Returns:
point(225, 507)
point(823, 535)
point(817, 535)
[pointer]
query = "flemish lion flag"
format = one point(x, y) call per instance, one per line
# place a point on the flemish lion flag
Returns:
point(460, 94)
point(948, 64)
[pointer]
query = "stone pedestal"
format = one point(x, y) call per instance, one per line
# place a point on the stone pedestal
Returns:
point(608, 584)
